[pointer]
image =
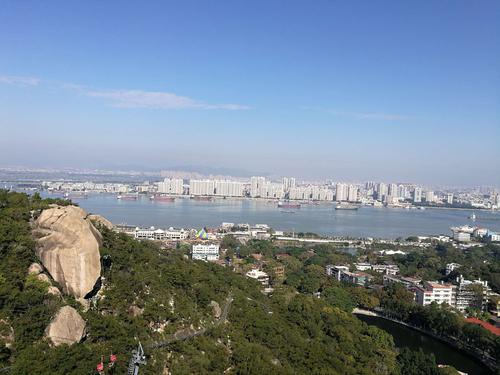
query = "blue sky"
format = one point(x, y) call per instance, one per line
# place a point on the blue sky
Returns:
point(358, 90)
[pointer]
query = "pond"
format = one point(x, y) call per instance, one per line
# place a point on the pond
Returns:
point(445, 354)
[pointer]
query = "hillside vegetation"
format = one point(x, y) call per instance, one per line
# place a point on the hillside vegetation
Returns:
point(147, 294)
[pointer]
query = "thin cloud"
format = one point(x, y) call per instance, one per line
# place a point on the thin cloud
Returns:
point(155, 100)
point(127, 98)
point(19, 80)
point(360, 115)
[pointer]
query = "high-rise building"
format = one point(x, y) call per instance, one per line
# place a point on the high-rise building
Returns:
point(417, 195)
point(352, 193)
point(429, 196)
point(202, 187)
point(171, 186)
point(288, 183)
point(393, 190)
point(449, 198)
point(226, 188)
point(256, 185)
point(341, 192)
point(382, 191)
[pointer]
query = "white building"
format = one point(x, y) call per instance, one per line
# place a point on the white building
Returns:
point(417, 195)
point(171, 186)
point(335, 271)
point(434, 292)
point(470, 293)
point(259, 275)
point(382, 190)
point(256, 186)
point(449, 198)
point(160, 234)
point(450, 267)
point(352, 193)
point(429, 196)
point(341, 192)
point(202, 187)
point(494, 237)
point(206, 252)
point(225, 188)
point(288, 183)
point(393, 190)
point(461, 236)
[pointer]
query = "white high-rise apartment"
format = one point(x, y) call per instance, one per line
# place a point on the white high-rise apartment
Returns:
point(225, 188)
point(381, 190)
point(449, 198)
point(256, 185)
point(393, 190)
point(342, 191)
point(429, 196)
point(288, 183)
point(171, 186)
point(202, 187)
point(417, 195)
point(352, 193)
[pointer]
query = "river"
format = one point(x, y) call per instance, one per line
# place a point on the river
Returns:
point(322, 219)
point(445, 354)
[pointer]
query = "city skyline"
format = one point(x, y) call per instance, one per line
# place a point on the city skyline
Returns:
point(381, 92)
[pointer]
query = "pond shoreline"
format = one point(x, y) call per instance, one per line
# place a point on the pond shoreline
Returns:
point(469, 351)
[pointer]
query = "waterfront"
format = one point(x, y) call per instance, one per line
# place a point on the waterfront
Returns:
point(410, 338)
point(378, 222)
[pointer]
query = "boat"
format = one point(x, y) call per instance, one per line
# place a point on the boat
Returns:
point(127, 197)
point(347, 207)
point(76, 195)
point(473, 216)
point(464, 229)
point(287, 211)
point(286, 204)
point(202, 198)
point(162, 198)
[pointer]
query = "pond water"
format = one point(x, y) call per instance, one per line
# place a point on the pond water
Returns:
point(445, 354)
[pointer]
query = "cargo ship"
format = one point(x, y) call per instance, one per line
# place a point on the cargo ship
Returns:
point(286, 204)
point(162, 198)
point(127, 197)
point(347, 207)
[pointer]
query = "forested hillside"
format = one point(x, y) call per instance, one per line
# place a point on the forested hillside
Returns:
point(147, 294)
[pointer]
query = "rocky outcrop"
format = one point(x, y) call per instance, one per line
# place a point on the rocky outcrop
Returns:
point(67, 327)
point(6, 333)
point(35, 269)
point(99, 220)
point(68, 247)
point(216, 310)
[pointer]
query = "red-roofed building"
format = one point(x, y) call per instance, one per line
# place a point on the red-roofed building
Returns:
point(485, 325)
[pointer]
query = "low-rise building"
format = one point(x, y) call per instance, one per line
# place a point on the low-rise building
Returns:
point(206, 252)
point(387, 269)
point(359, 278)
point(363, 266)
point(461, 237)
point(470, 294)
point(335, 271)
point(434, 292)
point(494, 237)
point(450, 267)
point(259, 275)
point(160, 234)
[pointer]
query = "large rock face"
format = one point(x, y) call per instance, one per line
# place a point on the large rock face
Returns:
point(68, 247)
point(67, 327)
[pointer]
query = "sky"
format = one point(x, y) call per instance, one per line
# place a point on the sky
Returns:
point(345, 90)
